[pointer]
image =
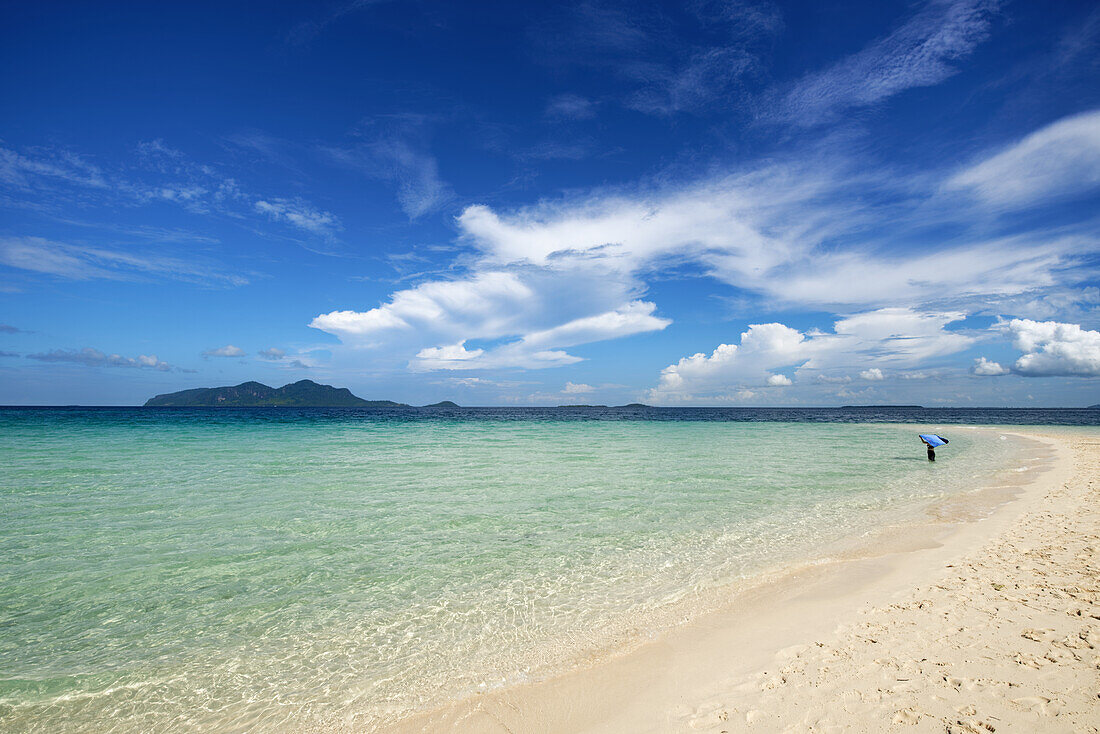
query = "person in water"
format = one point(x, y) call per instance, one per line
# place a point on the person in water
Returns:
point(931, 451)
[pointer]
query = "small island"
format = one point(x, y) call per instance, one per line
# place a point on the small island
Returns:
point(443, 404)
point(882, 407)
point(301, 394)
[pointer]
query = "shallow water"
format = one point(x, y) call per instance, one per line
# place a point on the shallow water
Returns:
point(257, 570)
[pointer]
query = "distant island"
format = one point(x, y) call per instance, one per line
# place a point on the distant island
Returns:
point(880, 407)
point(301, 394)
point(443, 404)
point(581, 405)
point(1093, 407)
point(634, 405)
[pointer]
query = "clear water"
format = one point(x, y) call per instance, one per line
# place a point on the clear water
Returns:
point(167, 571)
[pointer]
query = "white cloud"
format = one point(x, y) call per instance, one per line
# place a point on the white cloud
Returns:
point(1061, 159)
point(771, 231)
point(398, 153)
point(274, 353)
point(892, 337)
point(988, 368)
point(45, 167)
point(1054, 349)
point(574, 388)
point(51, 179)
point(300, 214)
point(778, 381)
point(227, 351)
point(83, 262)
point(540, 349)
point(799, 235)
point(918, 54)
point(485, 306)
point(570, 106)
point(90, 357)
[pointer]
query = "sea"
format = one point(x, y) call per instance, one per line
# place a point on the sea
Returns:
point(289, 569)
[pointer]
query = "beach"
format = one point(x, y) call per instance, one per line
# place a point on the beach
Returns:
point(544, 571)
point(986, 618)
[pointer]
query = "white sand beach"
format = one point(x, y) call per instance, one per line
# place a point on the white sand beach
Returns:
point(984, 618)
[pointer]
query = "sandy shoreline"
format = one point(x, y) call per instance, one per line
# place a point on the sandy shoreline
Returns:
point(949, 625)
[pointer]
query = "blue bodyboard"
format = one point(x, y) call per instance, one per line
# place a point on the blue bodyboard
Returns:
point(932, 439)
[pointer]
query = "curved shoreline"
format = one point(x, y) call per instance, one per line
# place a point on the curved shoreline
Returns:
point(647, 687)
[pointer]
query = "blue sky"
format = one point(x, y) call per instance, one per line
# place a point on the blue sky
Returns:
point(700, 203)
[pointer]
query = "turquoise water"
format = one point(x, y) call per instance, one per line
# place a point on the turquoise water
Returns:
point(175, 574)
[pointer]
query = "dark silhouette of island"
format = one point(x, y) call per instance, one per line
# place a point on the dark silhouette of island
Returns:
point(301, 394)
point(634, 405)
point(443, 404)
point(1093, 407)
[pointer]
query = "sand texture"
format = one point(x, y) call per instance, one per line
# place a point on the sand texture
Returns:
point(953, 625)
point(1006, 641)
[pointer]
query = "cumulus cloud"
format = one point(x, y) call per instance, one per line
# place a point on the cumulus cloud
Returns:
point(574, 388)
point(90, 357)
point(227, 351)
point(274, 353)
point(778, 381)
point(988, 368)
point(800, 235)
point(892, 337)
point(1054, 349)
point(1061, 159)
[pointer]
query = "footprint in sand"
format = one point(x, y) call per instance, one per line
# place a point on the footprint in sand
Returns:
point(1039, 704)
point(906, 716)
point(970, 727)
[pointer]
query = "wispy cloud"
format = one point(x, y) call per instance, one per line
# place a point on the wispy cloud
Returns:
point(396, 151)
point(300, 214)
point(54, 179)
point(90, 357)
point(307, 30)
point(1060, 160)
point(39, 167)
point(570, 107)
point(696, 57)
point(800, 234)
point(273, 354)
point(9, 329)
point(86, 262)
point(920, 53)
